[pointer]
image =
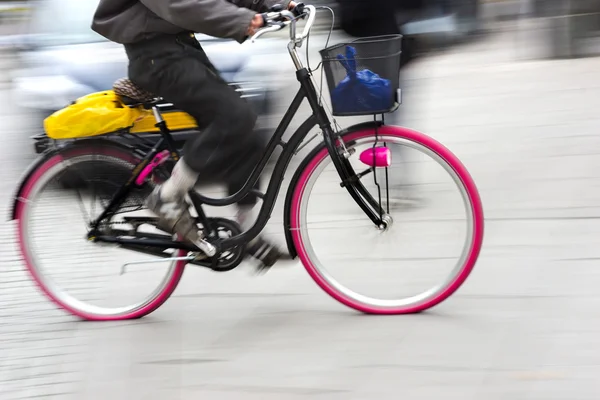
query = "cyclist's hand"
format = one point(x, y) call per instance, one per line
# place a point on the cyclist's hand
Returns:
point(297, 8)
point(256, 23)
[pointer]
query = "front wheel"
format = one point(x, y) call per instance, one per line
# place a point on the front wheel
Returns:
point(413, 264)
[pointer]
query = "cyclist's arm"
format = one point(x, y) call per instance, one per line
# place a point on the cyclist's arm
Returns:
point(260, 5)
point(219, 18)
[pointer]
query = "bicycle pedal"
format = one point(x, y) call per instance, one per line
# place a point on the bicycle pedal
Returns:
point(267, 260)
point(200, 257)
point(207, 248)
point(261, 269)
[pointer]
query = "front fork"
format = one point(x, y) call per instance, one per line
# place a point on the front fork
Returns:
point(351, 180)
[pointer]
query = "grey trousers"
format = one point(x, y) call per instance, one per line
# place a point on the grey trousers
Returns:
point(176, 68)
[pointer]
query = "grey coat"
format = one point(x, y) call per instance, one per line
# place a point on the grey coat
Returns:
point(129, 21)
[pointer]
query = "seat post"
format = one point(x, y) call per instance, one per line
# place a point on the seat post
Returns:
point(157, 115)
point(161, 124)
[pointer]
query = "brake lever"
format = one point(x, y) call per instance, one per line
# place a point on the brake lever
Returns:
point(272, 28)
point(298, 10)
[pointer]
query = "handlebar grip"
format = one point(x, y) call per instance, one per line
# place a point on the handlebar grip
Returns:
point(298, 10)
point(264, 19)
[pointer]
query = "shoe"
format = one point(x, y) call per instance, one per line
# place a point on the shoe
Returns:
point(265, 253)
point(174, 217)
point(260, 249)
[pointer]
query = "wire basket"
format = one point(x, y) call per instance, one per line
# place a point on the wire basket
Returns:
point(363, 75)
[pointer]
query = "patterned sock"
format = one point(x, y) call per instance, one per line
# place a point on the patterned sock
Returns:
point(181, 181)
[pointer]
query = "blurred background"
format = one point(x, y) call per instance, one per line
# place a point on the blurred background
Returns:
point(512, 87)
point(50, 55)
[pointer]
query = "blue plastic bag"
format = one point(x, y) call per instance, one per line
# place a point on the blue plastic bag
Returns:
point(362, 91)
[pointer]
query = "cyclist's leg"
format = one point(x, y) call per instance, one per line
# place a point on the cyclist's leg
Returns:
point(261, 249)
point(181, 73)
point(235, 164)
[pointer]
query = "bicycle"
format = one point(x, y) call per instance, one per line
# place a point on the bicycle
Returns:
point(138, 168)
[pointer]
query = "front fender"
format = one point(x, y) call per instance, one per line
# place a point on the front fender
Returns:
point(288, 198)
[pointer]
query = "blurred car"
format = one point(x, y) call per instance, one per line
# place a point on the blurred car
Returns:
point(455, 19)
point(425, 24)
point(61, 59)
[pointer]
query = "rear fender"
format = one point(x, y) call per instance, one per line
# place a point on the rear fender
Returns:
point(25, 177)
point(43, 158)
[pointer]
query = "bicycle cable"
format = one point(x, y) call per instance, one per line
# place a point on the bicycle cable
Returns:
point(336, 125)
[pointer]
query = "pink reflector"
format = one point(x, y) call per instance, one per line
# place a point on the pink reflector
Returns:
point(379, 157)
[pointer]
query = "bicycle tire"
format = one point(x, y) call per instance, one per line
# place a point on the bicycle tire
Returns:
point(296, 202)
point(28, 190)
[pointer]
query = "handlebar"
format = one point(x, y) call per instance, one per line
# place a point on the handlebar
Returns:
point(276, 21)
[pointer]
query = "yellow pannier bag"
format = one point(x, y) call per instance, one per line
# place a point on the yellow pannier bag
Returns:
point(92, 115)
point(176, 121)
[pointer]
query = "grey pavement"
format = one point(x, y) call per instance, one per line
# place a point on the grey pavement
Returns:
point(524, 326)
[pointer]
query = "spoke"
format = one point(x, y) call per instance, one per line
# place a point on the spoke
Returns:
point(86, 217)
point(93, 205)
point(387, 186)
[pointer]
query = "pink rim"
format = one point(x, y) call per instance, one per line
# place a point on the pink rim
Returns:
point(473, 195)
point(25, 193)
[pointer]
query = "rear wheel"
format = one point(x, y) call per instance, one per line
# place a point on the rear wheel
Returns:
point(86, 278)
point(413, 264)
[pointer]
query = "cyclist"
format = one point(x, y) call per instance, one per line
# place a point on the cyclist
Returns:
point(167, 60)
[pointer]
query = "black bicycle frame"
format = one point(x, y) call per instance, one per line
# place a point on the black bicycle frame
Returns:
point(319, 117)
